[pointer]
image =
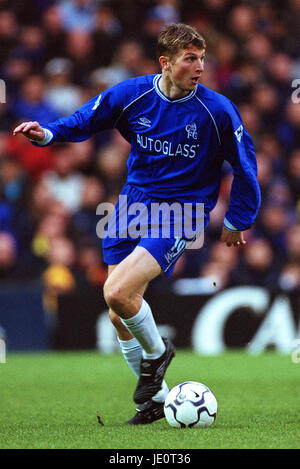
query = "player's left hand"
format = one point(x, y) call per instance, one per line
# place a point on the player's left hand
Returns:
point(234, 238)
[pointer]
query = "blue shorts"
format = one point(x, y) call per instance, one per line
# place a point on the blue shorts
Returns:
point(119, 242)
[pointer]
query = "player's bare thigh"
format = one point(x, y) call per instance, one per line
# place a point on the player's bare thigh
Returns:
point(127, 279)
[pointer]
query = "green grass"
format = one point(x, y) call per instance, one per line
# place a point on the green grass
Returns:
point(51, 400)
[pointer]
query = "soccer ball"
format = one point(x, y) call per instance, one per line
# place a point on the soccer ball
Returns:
point(190, 405)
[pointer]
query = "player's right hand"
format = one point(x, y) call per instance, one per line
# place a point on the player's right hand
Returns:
point(31, 130)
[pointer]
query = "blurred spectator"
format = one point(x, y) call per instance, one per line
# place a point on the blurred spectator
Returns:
point(55, 34)
point(293, 175)
point(258, 266)
point(56, 55)
point(79, 48)
point(251, 118)
point(293, 36)
point(50, 226)
point(78, 14)
point(216, 11)
point(289, 128)
point(64, 183)
point(31, 104)
point(111, 163)
point(30, 12)
point(279, 193)
point(226, 54)
point(220, 264)
point(167, 11)
point(60, 93)
point(264, 172)
point(14, 72)
point(106, 21)
point(211, 79)
point(83, 156)
point(58, 279)
point(243, 81)
point(13, 181)
point(34, 160)
point(242, 21)
point(280, 69)
point(289, 277)
point(15, 265)
point(8, 33)
point(217, 273)
point(7, 213)
point(107, 31)
point(273, 222)
point(61, 252)
point(270, 146)
point(265, 100)
point(292, 238)
point(89, 262)
point(32, 45)
point(126, 61)
point(152, 25)
point(259, 48)
point(228, 257)
point(8, 256)
point(85, 219)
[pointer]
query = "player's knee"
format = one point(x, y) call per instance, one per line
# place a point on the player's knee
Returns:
point(114, 295)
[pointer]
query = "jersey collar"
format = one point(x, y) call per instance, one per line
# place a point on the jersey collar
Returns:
point(169, 100)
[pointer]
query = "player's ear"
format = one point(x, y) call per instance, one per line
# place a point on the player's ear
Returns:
point(164, 62)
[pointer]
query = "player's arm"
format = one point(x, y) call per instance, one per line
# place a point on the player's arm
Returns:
point(100, 113)
point(245, 192)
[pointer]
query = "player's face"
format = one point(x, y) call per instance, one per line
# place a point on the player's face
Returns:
point(186, 68)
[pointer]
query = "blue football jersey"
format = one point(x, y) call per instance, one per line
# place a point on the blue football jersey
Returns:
point(178, 146)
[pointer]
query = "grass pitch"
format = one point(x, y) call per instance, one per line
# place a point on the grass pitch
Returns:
point(52, 400)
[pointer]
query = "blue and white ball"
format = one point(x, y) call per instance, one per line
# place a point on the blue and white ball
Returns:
point(189, 405)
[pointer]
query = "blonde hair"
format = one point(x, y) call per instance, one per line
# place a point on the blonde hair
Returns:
point(174, 37)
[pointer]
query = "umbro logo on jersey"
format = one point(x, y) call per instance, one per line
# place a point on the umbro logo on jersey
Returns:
point(239, 133)
point(144, 121)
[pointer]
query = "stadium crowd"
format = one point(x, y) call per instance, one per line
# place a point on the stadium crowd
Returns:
point(55, 55)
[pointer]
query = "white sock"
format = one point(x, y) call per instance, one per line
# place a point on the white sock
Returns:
point(132, 352)
point(142, 326)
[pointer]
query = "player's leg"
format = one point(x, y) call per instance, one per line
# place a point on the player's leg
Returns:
point(131, 349)
point(121, 292)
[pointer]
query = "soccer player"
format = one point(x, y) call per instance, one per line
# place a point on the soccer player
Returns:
point(180, 133)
